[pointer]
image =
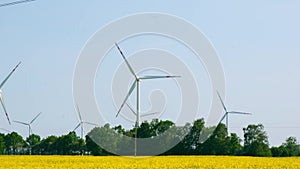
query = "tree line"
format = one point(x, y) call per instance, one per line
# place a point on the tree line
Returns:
point(195, 142)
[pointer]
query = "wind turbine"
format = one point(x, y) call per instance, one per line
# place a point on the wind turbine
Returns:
point(228, 112)
point(81, 123)
point(29, 124)
point(136, 84)
point(1, 97)
point(29, 128)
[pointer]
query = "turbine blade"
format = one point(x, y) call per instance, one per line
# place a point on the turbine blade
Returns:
point(148, 114)
point(35, 118)
point(131, 109)
point(4, 81)
point(4, 108)
point(127, 63)
point(224, 107)
point(78, 111)
point(226, 114)
point(77, 126)
point(158, 77)
point(236, 112)
point(21, 123)
point(127, 96)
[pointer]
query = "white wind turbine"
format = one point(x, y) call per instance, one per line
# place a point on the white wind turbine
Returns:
point(29, 128)
point(1, 97)
point(81, 123)
point(229, 112)
point(136, 84)
point(29, 124)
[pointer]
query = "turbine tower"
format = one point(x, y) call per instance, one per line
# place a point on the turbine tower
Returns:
point(29, 127)
point(136, 84)
point(81, 123)
point(1, 97)
point(228, 112)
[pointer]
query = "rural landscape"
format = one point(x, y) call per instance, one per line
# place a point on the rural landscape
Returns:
point(149, 84)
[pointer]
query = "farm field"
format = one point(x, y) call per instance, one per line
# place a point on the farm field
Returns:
point(178, 162)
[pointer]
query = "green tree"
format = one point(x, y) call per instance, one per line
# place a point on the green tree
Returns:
point(80, 146)
point(14, 143)
point(69, 144)
point(256, 141)
point(289, 148)
point(193, 139)
point(47, 145)
point(235, 147)
point(33, 143)
point(292, 147)
point(93, 148)
point(103, 136)
point(165, 136)
point(2, 144)
point(119, 129)
point(184, 147)
point(145, 130)
point(159, 127)
point(194, 135)
point(278, 151)
point(217, 143)
point(176, 137)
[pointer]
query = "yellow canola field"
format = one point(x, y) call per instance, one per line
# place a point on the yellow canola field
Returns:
point(160, 162)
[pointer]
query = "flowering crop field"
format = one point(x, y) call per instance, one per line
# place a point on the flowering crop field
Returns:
point(159, 162)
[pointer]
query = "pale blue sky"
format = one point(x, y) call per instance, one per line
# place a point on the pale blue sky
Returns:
point(257, 42)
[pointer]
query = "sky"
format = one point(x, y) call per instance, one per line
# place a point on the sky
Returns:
point(257, 43)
